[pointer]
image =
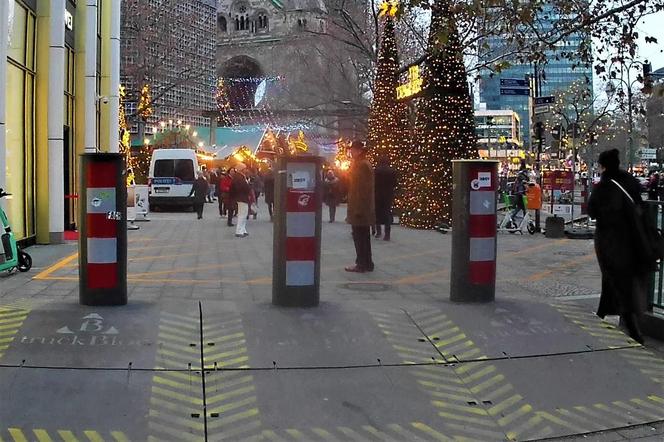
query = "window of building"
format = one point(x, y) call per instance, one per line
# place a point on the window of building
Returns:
point(262, 21)
point(19, 92)
point(221, 24)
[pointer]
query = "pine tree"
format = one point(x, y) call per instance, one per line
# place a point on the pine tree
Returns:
point(388, 119)
point(444, 128)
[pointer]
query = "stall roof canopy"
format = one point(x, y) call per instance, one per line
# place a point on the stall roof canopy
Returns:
point(229, 139)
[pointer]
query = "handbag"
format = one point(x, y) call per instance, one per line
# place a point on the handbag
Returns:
point(649, 238)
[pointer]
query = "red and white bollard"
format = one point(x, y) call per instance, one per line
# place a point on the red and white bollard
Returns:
point(103, 239)
point(474, 225)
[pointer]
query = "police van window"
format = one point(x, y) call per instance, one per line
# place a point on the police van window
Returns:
point(183, 169)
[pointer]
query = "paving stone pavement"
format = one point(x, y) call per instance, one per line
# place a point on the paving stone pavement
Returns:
point(176, 260)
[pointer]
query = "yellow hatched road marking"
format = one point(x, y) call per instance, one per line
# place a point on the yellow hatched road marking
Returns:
point(637, 411)
point(177, 396)
point(463, 408)
point(225, 355)
point(225, 384)
point(177, 434)
point(480, 374)
point(606, 421)
point(169, 419)
point(93, 436)
point(398, 429)
point(487, 384)
point(224, 338)
point(227, 434)
point(174, 384)
point(223, 396)
point(509, 418)
point(487, 422)
point(513, 400)
point(42, 435)
point(55, 267)
point(252, 412)
point(430, 431)
point(352, 434)
point(67, 436)
point(452, 340)
point(17, 435)
point(563, 423)
point(232, 406)
point(372, 430)
point(294, 433)
point(485, 434)
point(323, 434)
point(594, 426)
point(493, 395)
point(617, 413)
point(175, 407)
point(654, 398)
point(230, 362)
point(469, 367)
point(271, 435)
point(453, 397)
point(648, 405)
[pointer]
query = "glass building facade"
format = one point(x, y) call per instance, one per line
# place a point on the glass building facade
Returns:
point(559, 73)
point(44, 123)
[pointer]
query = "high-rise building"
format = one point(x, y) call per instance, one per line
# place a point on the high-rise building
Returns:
point(557, 75)
point(169, 45)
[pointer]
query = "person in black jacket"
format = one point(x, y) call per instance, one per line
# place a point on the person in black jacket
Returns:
point(624, 275)
point(199, 190)
point(268, 187)
point(385, 184)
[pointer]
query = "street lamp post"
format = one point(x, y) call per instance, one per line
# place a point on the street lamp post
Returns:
point(610, 90)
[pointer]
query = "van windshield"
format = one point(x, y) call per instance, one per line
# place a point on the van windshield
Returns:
point(182, 169)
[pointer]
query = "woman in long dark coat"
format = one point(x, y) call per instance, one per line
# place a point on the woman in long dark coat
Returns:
point(624, 276)
point(385, 185)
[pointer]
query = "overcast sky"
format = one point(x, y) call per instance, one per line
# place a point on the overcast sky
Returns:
point(653, 26)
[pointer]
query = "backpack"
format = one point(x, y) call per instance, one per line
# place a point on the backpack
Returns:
point(649, 239)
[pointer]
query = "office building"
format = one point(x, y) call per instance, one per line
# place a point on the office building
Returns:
point(499, 136)
point(557, 75)
point(61, 79)
point(176, 60)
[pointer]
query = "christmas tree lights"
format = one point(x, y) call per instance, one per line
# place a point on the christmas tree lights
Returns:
point(388, 119)
point(444, 128)
point(145, 109)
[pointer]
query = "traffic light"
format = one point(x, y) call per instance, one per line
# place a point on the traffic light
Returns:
point(647, 78)
point(556, 132)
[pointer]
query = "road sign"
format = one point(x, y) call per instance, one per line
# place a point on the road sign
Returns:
point(539, 110)
point(545, 100)
point(648, 154)
point(514, 91)
point(513, 82)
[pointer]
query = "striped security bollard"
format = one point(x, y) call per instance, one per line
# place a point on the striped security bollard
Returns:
point(103, 230)
point(474, 223)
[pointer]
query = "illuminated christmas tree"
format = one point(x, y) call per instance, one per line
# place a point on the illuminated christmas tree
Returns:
point(444, 129)
point(145, 109)
point(388, 118)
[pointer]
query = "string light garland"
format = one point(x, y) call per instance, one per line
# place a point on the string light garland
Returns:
point(444, 128)
point(388, 125)
point(145, 109)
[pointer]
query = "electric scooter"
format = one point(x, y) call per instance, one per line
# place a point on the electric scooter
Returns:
point(11, 255)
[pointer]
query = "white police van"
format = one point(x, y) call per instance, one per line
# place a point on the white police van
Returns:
point(172, 175)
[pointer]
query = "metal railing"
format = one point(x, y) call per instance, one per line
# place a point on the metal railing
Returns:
point(656, 300)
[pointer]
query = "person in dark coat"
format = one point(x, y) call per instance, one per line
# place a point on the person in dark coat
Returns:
point(331, 193)
point(385, 185)
point(653, 187)
point(268, 188)
point(624, 276)
point(361, 207)
point(200, 191)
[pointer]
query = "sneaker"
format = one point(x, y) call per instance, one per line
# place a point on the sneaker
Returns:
point(239, 236)
point(355, 269)
point(245, 235)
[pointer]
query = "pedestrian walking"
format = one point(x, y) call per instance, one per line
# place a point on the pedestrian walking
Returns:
point(361, 211)
point(240, 194)
point(199, 190)
point(212, 184)
point(518, 192)
point(331, 193)
point(226, 205)
point(268, 187)
point(385, 185)
point(614, 204)
point(653, 187)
